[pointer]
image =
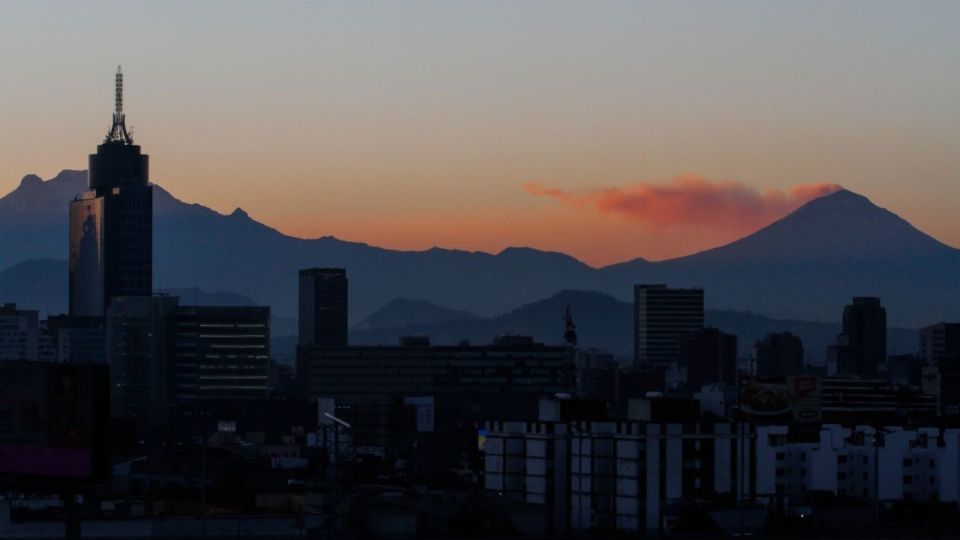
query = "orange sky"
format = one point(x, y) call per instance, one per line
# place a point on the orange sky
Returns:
point(409, 125)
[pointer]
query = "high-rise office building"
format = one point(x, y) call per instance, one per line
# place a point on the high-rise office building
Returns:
point(662, 316)
point(323, 307)
point(222, 353)
point(161, 354)
point(111, 225)
point(862, 346)
point(779, 355)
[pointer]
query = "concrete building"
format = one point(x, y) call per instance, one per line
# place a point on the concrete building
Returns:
point(859, 463)
point(662, 316)
point(609, 475)
point(20, 334)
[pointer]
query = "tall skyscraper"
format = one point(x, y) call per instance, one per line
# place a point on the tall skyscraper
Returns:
point(111, 225)
point(862, 346)
point(323, 307)
point(662, 316)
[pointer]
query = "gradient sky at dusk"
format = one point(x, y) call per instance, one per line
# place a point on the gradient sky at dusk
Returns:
point(584, 127)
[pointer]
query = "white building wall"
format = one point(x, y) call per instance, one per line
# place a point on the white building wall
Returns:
point(652, 499)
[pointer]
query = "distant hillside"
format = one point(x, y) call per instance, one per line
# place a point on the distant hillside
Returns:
point(410, 312)
point(805, 266)
point(607, 323)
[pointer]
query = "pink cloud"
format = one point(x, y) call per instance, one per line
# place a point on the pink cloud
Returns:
point(690, 201)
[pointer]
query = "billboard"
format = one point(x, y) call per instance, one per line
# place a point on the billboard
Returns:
point(54, 420)
point(796, 398)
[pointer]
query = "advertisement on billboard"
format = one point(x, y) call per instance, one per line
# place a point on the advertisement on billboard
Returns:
point(54, 420)
point(796, 398)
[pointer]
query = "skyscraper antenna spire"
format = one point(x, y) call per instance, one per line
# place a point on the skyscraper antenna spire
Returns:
point(118, 132)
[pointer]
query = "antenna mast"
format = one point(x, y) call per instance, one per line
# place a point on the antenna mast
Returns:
point(118, 132)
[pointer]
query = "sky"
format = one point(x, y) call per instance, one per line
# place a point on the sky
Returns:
point(606, 130)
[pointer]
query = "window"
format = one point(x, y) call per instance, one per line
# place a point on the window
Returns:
point(865, 460)
point(803, 456)
point(779, 472)
point(907, 479)
point(907, 462)
point(841, 476)
point(842, 458)
point(780, 456)
point(866, 477)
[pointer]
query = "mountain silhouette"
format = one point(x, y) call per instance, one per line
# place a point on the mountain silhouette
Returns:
point(402, 312)
point(809, 264)
point(606, 323)
point(805, 266)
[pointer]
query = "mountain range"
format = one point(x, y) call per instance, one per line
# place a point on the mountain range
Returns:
point(603, 322)
point(805, 266)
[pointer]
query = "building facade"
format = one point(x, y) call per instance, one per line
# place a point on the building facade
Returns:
point(860, 463)
point(610, 475)
point(663, 315)
point(21, 336)
point(222, 352)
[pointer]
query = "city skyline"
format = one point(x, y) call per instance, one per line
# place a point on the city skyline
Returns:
point(349, 121)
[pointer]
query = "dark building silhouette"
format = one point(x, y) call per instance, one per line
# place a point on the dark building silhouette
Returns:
point(662, 316)
point(862, 346)
point(905, 370)
point(323, 307)
point(140, 343)
point(710, 356)
point(111, 226)
point(779, 354)
point(423, 402)
point(939, 343)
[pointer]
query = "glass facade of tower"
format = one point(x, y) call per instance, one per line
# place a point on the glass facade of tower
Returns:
point(86, 256)
point(111, 231)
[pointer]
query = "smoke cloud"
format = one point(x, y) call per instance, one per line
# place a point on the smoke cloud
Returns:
point(690, 201)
